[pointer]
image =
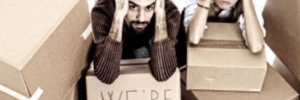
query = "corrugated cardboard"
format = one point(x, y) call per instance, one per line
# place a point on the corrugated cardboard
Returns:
point(225, 64)
point(41, 46)
point(135, 82)
point(73, 95)
point(286, 74)
point(274, 88)
point(282, 21)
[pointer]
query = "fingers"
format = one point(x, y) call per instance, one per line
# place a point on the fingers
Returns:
point(160, 10)
point(125, 4)
point(121, 7)
point(121, 4)
point(159, 5)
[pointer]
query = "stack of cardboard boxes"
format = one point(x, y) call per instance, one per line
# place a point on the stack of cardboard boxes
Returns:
point(135, 82)
point(44, 46)
point(221, 62)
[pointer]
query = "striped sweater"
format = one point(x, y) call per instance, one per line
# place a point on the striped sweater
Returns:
point(109, 52)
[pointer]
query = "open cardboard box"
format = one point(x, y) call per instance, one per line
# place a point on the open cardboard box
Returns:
point(274, 88)
point(222, 61)
point(43, 45)
point(282, 21)
point(135, 82)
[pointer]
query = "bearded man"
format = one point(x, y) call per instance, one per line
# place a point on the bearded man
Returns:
point(128, 29)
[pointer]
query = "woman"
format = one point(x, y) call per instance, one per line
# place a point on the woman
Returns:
point(244, 12)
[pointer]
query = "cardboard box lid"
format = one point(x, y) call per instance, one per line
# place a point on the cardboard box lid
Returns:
point(207, 57)
point(25, 19)
point(223, 31)
point(282, 21)
point(274, 88)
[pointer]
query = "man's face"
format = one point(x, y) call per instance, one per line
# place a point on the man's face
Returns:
point(225, 4)
point(139, 14)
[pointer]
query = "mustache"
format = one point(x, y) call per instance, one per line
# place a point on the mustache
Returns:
point(139, 22)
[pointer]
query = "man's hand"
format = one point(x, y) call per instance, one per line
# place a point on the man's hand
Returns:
point(117, 24)
point(160, 22)
point(121, 8)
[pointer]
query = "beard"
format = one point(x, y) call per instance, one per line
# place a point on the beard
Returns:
point(139, 30)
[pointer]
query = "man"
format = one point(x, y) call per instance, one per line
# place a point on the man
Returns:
point(135, 29)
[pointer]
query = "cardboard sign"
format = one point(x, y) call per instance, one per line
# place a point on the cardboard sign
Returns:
point(135, 82)
point(221, 61)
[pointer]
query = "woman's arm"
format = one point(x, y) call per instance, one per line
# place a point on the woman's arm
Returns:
point(198, 23)
point(254, 33)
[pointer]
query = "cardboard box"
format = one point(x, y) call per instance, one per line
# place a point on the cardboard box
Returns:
point(282, 20)
point(135, 82)
point(73, 95)
point(222, 61)
point(274, 88)
point(43, 45)
point(286, 74)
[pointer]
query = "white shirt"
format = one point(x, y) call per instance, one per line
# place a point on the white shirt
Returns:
point(191, 5)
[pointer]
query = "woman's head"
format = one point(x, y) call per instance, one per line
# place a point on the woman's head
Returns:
point(217, 5)
point(225, 4)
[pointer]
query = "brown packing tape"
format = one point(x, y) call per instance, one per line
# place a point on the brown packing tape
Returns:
point(222, 35)
point(221, 44)
point(229, 46)
point(208, 41)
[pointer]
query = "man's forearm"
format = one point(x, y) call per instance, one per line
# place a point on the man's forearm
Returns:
point(161, 32)
point(116, 28)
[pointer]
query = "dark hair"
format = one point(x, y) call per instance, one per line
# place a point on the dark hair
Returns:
point(234, 15)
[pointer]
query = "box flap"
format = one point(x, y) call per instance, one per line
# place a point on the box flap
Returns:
point(223, 31)
point(26, 24)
